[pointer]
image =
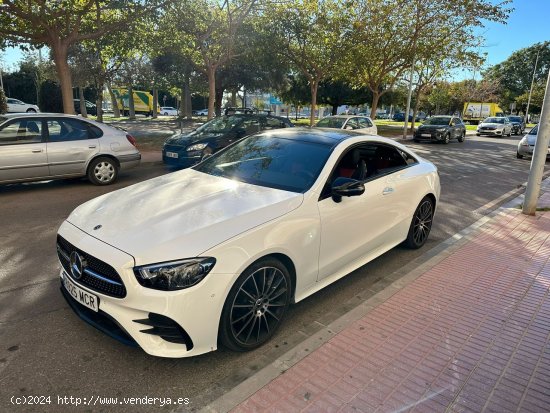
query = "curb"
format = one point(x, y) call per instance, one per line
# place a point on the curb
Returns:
point(401, 278)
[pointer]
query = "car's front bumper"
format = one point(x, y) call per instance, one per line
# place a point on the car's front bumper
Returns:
point(178, 157)
point(489, 132)
point(429, 136)
point(196, 311)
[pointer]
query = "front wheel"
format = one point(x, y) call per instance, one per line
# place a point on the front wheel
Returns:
point(447, 139)
point(518, 155)
point(462, 137)
point(255, 305)
point(421, 224)
point(31, 110)
point(102, 171)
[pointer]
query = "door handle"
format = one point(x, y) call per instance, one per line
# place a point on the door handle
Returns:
point(92, 146)
point(387, 190)
point(36, 150)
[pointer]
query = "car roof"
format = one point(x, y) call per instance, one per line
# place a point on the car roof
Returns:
point(325, 136)
point(346, 116)
point(37, 114)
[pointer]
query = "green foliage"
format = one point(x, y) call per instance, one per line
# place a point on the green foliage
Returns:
point(50, 97)
point(3, 103)
point(515, 73)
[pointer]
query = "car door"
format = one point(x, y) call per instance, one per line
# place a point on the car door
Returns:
point(23, 152)
point(71, 143)
point(374, 221)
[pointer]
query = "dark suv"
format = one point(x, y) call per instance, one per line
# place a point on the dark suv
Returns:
point(185, 150)
point(518, 124)
point(441, 129)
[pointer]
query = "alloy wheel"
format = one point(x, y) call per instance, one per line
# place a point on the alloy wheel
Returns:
point(258, 306)
point(422, 222)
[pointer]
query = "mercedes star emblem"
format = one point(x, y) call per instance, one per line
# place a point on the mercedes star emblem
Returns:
point(78, 264)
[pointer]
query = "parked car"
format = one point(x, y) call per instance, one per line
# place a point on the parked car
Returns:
point(526, 145)
point(35, 147)
point(202, 112)
point(17, 106)
point(168, 111)
point(185, 150)
point(518, 124)
point(495, 126)
point(351, 122)
point(91, 109)
point(215, 254)
point(441, 129)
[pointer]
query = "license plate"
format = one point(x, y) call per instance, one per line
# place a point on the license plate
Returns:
point(171, 155)
point(426, 135)
point(82, 296)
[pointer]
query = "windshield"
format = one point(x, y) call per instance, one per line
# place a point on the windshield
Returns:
point(534, 131)
point(494, 120)
point(438, 121)
point(221, 124)
point(515, 118)
point(266, 160)
point(330, 122)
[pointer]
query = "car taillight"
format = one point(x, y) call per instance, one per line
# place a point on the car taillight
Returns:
point(131, 139)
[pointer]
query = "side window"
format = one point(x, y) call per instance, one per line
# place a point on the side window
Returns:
point(21, 131)
point(364, 123)
point(352, 124)
point(251, 125)
point(386, 159)
point(273, 123)
point(64, 130)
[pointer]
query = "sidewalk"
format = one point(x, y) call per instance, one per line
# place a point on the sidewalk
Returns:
point(470, 334)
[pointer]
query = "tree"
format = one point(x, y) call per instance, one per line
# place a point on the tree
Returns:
point(515, 73)
point(308, 34)
point(390, 35)
point(60, 24)
point(210, 34)
point(3, 102)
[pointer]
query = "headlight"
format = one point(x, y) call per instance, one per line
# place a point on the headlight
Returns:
point(196, 147)
point(174, 275)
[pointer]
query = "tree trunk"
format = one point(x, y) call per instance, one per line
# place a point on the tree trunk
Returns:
point(234, 98)
point(83, 110)
point(186, 98)
point(114, 102)
point(375, 98)
point(131, 106)
point(314, 88)
point(211, 74)
point(334, 110)
point(155, 102)
point(218, 102)
point(59, 51)
point(415, 110)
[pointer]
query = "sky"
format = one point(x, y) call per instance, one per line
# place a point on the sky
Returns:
point(529, 23)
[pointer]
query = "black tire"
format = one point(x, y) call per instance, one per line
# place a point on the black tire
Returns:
point(416, 140)
point(255, 305)
point(102, 171)
point(421, 224)
point(165, 113)
point(446, 139)
point(462, 137)
point(477, 134)
point(31, 110)
point(519, 156)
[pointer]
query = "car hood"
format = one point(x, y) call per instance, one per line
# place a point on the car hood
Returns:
point(498, 125)
point(180, 215)
point(193, 137)
point(432, 127)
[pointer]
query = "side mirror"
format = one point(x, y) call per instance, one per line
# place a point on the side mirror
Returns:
point(346, 187)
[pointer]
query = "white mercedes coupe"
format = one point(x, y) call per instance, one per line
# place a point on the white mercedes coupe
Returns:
point(215, 254)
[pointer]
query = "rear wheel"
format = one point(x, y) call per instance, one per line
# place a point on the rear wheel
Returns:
point(255, 305)
point(421, 224)
point(102, 171)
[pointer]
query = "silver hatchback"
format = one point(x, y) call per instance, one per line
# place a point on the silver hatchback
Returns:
point(41, 146)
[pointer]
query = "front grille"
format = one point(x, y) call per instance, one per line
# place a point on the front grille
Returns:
point(98, 275)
